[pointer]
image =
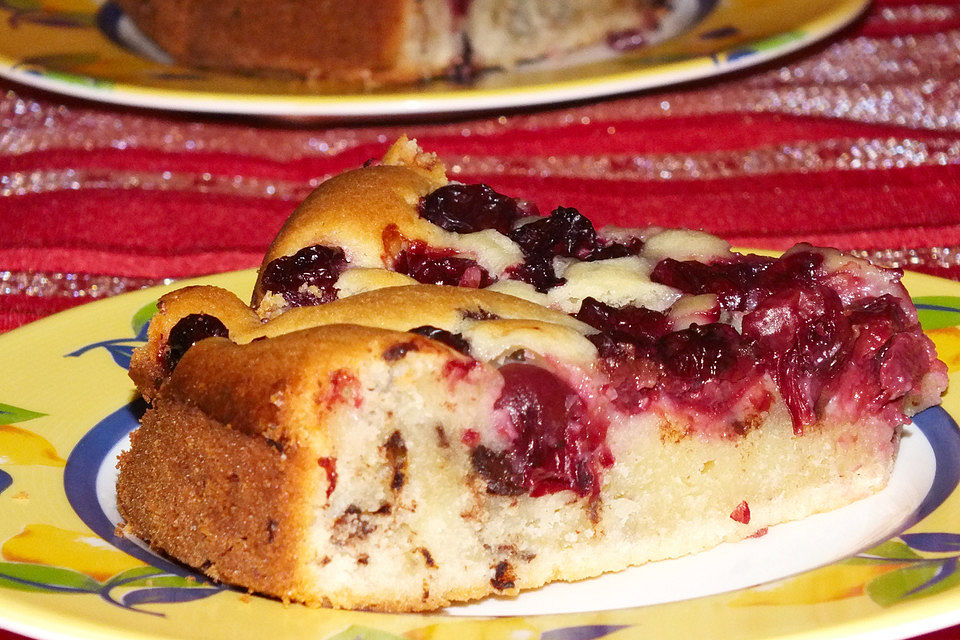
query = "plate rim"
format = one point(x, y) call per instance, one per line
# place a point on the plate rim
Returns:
point(409, 103)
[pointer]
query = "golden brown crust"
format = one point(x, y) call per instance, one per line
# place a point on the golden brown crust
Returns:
point(394, 308)
point(402, 308)
point(147, 364)
point(354, 210)
point(317, 38)
point(282, 389)
point(227, 464)
point(216, 498)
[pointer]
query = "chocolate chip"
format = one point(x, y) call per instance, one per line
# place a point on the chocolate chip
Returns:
point(503, 576)
point(398, 350)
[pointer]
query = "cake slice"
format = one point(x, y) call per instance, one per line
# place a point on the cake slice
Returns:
point(380, 41)
point(438, 394)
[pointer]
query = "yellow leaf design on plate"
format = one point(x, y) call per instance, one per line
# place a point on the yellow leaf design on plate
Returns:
point(80, 551)
point(947, 341)
point(19, 446)
point(834, 582)
point(511, 628)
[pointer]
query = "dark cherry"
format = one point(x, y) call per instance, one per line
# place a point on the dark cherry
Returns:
point(632, 376)
point(558, 446)
point(732, 281)
point(886, 307)
point(565, 232)
point(433, 266)
point(467, 208)
point(316, 266)
point(901, 364)
point(706, 370)
point(453, 340)
point(803, 335)
point(794, 269)
point(740, 284)
point(537, 272)
point(703, 352)
point(188, 331)
point(617, 250)
point(635, 325)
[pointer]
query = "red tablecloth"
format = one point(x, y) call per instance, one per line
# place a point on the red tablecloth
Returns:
point(853, 143)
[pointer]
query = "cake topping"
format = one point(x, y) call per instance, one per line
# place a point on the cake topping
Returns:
point(467, 208)
point(440, 266)
point(188, 331)
point(307, 277)
point(637, 326)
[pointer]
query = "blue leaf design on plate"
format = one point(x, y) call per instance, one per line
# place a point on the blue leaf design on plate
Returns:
point(120, 349)
point(588, 632)
point(5, 480)
point(121, 354)
point(165, 595)
point(933, 542)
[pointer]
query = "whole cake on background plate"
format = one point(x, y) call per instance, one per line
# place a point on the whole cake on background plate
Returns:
point(383, 41)
point(438, 394)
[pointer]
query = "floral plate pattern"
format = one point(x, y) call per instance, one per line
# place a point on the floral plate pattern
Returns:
point(83, 48)
point(66, 405)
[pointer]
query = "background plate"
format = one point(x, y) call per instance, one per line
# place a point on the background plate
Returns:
point(71, 47)
point(64, 376)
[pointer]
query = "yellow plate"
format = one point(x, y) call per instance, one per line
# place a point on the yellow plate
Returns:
point(65, 405)
point(81, 48)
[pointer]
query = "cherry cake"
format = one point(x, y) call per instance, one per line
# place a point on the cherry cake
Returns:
point(438, 394)
point(376, 42)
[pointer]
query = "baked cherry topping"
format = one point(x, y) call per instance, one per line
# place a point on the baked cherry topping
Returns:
point(803, 336)
point(556, 444)
point(731, 281)
point(565, 232)
point(701, 353)
point(638, 326)
point(537, 272)
point(188, 331)
point(709, 374)
point(315, 266)
point(467, 208)
point(440, 266)
point(617, 250)
point(454, 340)
point(822, 355)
